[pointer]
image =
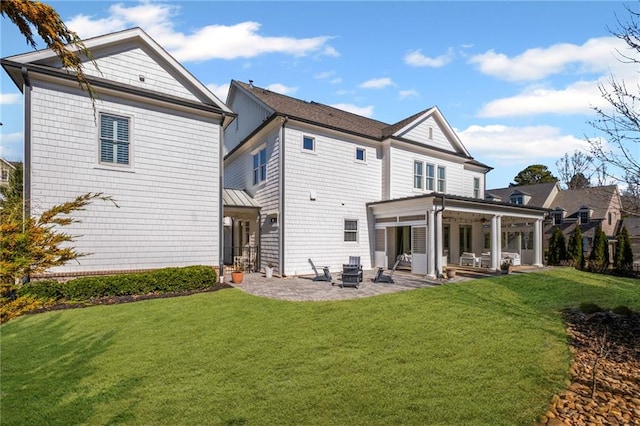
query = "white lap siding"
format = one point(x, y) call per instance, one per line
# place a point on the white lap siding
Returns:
point(314, 229)
point(168, 214)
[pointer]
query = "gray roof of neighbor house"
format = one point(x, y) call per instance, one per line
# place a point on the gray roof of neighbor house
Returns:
point(238, 198)
point(333, 118)
point(539, 193)
point(633, 226)
point(597, 198)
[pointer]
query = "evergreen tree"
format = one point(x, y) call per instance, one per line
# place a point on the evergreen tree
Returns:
point(599, 257)
point(624, 254)
point(557, 247)
point(574, 248)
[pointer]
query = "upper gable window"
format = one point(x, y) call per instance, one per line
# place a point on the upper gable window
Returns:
point(361, 155)
point(476, 187)
point(517, 199)
point(442, 179)
point(114, 140)
point(417, 174)
point(260, 166)
point(557, 217)
point(430, 133)
point(308, 144)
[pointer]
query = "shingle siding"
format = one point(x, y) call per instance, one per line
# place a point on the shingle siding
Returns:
point(420, 133)
point(168, 214)
point(250, 116)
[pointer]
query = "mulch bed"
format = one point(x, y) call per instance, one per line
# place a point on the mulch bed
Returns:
point(605, 374)
point(113, 300)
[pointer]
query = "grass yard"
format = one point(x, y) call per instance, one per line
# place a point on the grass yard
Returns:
point(490, 351)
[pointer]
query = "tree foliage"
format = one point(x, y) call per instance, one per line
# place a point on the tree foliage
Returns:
point(574, 248)
point(624, 253)
point(557, 247)
point(26, 14)
point(34, 244)
point(599, 257)
point(534, 174)
point(575, 171)
point(620, 122)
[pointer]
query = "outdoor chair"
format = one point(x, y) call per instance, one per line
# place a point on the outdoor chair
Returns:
point(354, 261)
point(325, 276)
point(382, 278)
point(469, 259)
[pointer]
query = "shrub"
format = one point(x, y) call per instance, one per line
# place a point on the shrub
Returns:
point(624, 254)
point(574, 248)
point(557, 248)
point(43, 290)
point(10, 309)
point(599, 257)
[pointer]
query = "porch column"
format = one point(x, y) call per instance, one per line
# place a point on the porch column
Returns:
point(431, 243)
point(537, 244)
point(496, 228)
point(438, 243)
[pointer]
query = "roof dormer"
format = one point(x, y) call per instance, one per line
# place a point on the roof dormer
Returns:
point(519, 197)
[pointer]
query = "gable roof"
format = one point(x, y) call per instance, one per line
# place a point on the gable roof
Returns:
point(539, 193)
point(46, 61)
point(597, 198)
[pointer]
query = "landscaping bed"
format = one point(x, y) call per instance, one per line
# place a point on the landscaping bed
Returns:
point(605, 374)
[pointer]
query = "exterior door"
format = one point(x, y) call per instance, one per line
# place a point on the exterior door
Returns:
point(419, 249)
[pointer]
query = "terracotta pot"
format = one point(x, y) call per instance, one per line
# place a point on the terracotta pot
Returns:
point(237, 277)
point(451, 273)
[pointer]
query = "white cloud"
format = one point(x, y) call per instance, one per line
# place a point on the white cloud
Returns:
point(336, 80)
point(363, 111)
point(220, 90)
point(10, 98)
point(577, 98)
point(11, 145)
point(411, 93)
point(510, 146)
point(324, 75)
point(377, 83)
point(415, 58)
point(596, 55)
point(241, 40)
point(282, 89)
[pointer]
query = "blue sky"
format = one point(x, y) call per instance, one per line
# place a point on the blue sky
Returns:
point(516, 80)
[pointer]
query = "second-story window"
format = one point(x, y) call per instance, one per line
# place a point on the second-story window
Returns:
point(308, 144)
point(417, 174)
point(361, 155)
point(557, 217)
point(476, 187)
point(114, 140)
point(442, 179)
point(517, 199)
point(583, 216)
point(430, 177)
point(260, 166)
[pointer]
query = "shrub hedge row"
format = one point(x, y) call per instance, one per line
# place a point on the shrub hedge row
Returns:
point(166, 280)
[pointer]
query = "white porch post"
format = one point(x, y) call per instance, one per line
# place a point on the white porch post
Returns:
point(537, 245)
point(431, 242)
point(438, 242)
point(496, 228)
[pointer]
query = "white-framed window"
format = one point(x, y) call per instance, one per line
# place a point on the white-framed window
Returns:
point(260, 166)
point(418, 174)
point(350, 230)
point(583, 215)
point(517, 199)
point(476, 187)
point(442, 179)
point(308, 144)
point(361, 155)
point(431, 176)
point(115, 140)
point(557, 217)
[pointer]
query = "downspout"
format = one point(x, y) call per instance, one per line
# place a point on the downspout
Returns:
point(26, 172)
point(281, 200)
point(221, 201)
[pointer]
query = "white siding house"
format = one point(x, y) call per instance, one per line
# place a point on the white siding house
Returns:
point(153, 144)
point(338, 185)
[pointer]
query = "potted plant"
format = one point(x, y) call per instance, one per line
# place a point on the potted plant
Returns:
point(268, 270)
point(506, 266)
point(238, 274)
point(451, 272)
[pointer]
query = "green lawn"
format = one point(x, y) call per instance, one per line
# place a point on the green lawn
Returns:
point(490, 351)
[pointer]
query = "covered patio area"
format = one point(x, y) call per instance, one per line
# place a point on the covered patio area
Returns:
point(425, 233)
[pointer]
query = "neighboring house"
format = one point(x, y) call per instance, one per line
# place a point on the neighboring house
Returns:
point(6, 168)
point(153, 143)
point(327, 184)
point(588, 208)
point(633, 228)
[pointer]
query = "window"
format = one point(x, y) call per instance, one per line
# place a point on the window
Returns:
point(609, 218)
point(260, 166)
point(430, 177)
point(114, 139)
point(557, 217)
point(361, 154)
point(583, 215)
point(517, 199)
point(350, 230)
point(442, 180)
point(430, 133)
point(476, 187)
point(417, 174)
point(5, 178)
point(308, 143)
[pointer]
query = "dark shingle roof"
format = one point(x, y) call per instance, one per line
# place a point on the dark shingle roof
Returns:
point(596, 198)
point(539, 193)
